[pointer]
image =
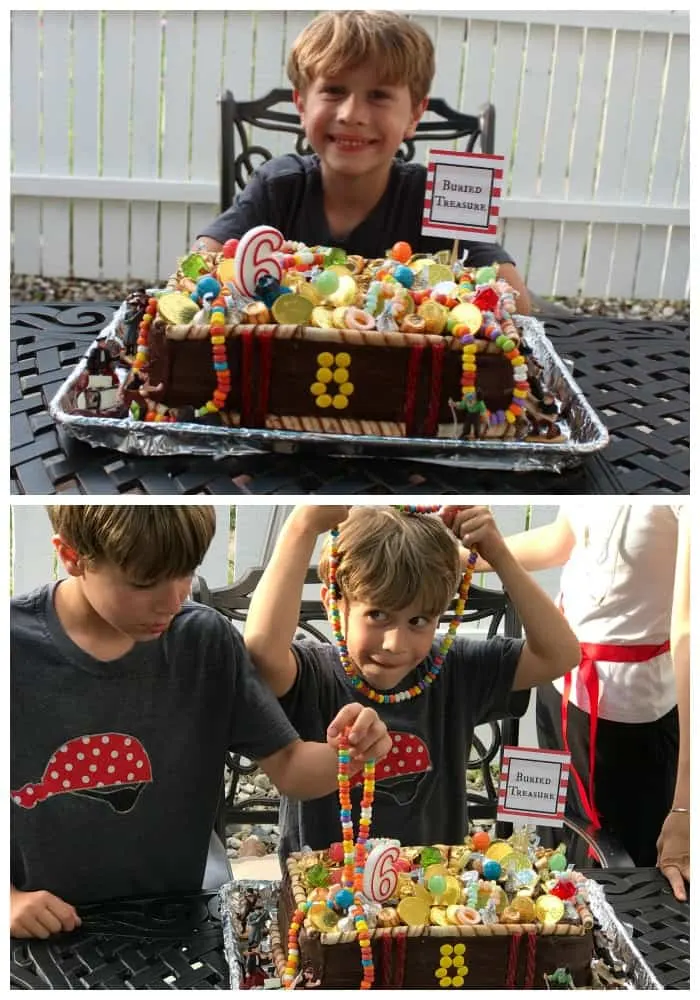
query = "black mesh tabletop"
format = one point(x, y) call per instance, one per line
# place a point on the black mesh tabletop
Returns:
point(657, 922)
point(177, 943)
point(635, 374)
point(171, 943)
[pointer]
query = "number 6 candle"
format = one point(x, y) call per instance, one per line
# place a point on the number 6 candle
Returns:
point(380, 877)
point(255, 258)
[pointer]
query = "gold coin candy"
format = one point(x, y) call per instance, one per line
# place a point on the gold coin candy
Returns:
point(413, 912)
point(177, 308)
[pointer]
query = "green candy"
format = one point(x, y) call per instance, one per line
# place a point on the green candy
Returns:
point(484, 275)
point(318, 876)
point(430, 856)
point(508, 346)
point(437, 884)
point(326, 283)
point(557, 862)
point(335, 256)
point(193, 266)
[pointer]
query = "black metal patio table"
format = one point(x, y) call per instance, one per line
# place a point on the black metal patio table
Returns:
point(176, 942)
point(636, 374)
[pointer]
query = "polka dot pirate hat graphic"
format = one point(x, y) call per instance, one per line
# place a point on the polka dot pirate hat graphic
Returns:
point(408, 758)
point(110, 767)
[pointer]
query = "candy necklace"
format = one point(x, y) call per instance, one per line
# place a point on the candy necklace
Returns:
point(435, 665)
point(354, 856)
point(217, 336)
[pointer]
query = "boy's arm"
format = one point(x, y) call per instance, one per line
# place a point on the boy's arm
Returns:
point(274, 608)
point(674, 842)
point(541, 548)
point(310, 770)
point(509, 273)
point(551, 649)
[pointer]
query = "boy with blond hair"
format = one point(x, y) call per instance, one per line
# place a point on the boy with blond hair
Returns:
point(396, 575)
point(360, 82)
point(124, 699)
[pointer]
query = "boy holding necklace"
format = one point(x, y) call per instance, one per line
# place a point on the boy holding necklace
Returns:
point(396, 573)
point(361, 81)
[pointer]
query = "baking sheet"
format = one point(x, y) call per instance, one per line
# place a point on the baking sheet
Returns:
point(614, 944)
point(584, 430)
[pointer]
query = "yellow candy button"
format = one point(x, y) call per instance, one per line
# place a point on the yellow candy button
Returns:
point(445, 949)
point(457, 982)
point(324, 401)
point(317, 389)
point(460, 949)
point(347, 388)
point(340, 402)
point(325, 359)
point(342, 359)
point(324, 375)
point(341, 375)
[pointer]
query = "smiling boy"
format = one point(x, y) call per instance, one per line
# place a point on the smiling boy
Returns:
point(361, 81)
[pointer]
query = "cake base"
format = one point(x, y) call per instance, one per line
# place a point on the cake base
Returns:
point(496, 956)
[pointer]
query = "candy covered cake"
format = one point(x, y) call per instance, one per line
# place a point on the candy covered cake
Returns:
point(483, 914)
point(272, 334)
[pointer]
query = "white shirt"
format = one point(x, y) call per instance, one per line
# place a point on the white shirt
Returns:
point(617, 587)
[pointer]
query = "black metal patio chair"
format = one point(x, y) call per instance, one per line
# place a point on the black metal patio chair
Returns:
point(237, 117)
point(583, 844)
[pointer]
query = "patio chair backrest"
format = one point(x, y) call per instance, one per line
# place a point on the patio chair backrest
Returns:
point(236, 168)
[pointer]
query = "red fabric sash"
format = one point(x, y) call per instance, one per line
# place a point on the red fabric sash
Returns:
point(590, 653)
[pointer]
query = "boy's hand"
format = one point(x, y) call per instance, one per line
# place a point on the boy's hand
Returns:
point(319, 519)
point(476, 528)
point(368, 737)
point(40, 914)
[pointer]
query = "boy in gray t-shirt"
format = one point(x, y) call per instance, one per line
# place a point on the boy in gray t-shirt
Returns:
point(124, 700)
point(396, 574)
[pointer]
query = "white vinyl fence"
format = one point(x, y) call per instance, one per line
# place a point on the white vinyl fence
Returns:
point(115, 131)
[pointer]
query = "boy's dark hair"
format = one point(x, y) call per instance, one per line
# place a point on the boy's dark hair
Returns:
point(148, 543)
point(340, 40)
point(391, 559)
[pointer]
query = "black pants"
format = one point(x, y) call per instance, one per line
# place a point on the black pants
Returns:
point(635, 770)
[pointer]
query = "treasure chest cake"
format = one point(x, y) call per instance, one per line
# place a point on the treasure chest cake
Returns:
point(483, 914)
point(272, 334)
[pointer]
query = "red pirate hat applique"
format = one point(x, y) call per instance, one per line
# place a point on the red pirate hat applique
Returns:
point(408, 757)
point(110, 767)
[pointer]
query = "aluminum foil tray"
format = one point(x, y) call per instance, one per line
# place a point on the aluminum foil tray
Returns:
point(585, 432)
point(614, 945)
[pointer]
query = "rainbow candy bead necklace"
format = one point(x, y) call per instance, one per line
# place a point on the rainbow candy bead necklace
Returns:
point(354, 857)
point(435, 665)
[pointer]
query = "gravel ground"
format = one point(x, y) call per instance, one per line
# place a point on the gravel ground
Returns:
point(32, 288)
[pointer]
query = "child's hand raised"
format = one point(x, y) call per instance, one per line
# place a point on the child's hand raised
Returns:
point(476, 528)
point(368, 737)
point(319, 519)
point(40, 914)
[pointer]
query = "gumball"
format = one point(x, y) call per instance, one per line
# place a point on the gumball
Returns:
point(437, 884)
point(208, 286)
point(401, 251)
point(326, 282)
point(491, 870)
point(402, 865)
point(229, 248)
point(404, 275)
point(344, 899)
point(557, 862)
point(481, 840)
